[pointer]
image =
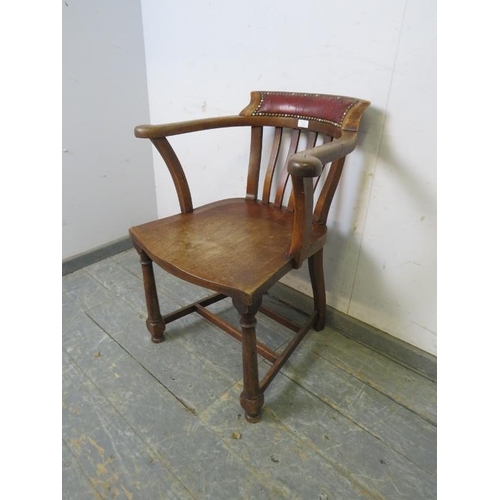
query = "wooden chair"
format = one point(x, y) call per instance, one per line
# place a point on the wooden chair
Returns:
point(241, 247)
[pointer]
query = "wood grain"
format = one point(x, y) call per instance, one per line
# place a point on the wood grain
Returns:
point(241, 247)
point(337, 423)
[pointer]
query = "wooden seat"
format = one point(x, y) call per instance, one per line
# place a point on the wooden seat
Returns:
point(240, 247)
point(236, 246)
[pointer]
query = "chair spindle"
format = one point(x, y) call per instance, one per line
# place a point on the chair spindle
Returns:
point(280, 192)
point(254, 164)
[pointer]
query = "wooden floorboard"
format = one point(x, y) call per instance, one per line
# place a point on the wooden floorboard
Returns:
point(395, 425)
point(170, 433)
point(187, 373)
point(77, 486)
point(408, 388)
point(346, 448)
point(340, 421)
point(279, 454)
point(116, 461)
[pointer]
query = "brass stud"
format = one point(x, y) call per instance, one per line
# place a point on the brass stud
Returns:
point(256, 112)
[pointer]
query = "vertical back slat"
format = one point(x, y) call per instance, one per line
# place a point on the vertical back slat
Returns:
point(254, 163)
point(326, 196)
point(328, 139)
point(311, 142)
point(273, 159)
point(280, 192)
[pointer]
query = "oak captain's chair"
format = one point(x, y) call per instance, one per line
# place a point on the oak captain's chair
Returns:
point(241, 247)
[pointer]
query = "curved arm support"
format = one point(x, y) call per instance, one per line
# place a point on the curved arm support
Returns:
point(309, 163)
point(177, 172)
point(157, 131)
point(303, 167)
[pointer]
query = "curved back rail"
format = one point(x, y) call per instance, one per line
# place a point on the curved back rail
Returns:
point(308, 116)
point(315, 114)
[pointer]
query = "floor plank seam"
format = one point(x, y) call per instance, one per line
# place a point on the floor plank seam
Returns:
point(361, 426)
point(255, 472)
point(295, 436)
point(284, 343)
point(393, 360)
point(277, 301)
point(196, 354)
point(163, 291)
point(183, 403)
point(215, 401)
point(158, 457)
point(137, 274)
point(412, 436)
point(193, 411)
point(367, 381)
point(115, 294)
point(239, 381)
point(339, 468)
point(369, 384)
point(188, 348)
point(360, 379)
point(82, 471)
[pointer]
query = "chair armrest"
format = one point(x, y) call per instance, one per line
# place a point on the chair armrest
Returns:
point(157, 131)
point(158, 135)
point(309, 163)
point(303, 167)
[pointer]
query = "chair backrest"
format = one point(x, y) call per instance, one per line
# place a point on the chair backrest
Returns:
point(312, 119)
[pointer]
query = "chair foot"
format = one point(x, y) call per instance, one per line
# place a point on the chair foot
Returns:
point(158, 340)
point(252, 407)
point(319, 322)
point(157, 330)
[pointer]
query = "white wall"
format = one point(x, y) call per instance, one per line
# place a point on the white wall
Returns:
point(108, 182)
point(204, 57)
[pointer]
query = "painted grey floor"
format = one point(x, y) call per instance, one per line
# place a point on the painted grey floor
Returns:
point(162, 421)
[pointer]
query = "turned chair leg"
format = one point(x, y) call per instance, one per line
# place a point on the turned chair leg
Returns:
point(154, 323)
point(318, 285)
point(252, 398)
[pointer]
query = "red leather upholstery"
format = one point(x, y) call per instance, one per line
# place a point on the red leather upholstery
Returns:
point(324, 108)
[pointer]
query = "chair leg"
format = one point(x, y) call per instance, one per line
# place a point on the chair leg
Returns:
point(318, 285)
point(252, 398)
point(154, 323)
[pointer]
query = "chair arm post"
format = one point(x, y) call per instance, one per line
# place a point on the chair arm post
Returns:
point(302, 217)
point(176, 171)
point(303, 167)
